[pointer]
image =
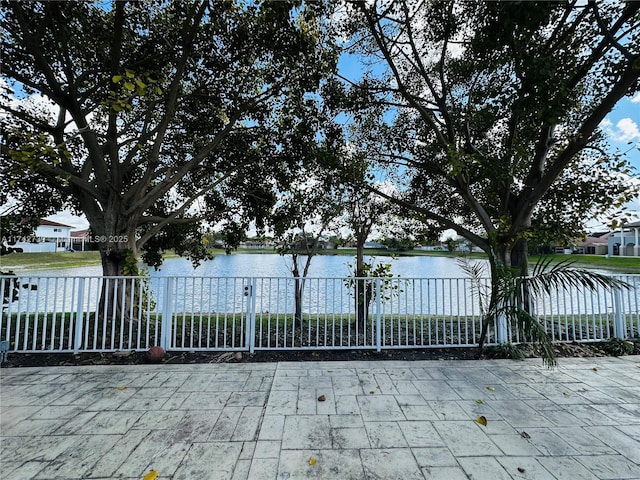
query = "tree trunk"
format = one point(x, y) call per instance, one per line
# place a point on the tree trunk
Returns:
point(520, 257)
point(361, 299)
point(119, 296)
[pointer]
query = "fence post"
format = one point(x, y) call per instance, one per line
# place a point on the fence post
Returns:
point(501, 328)
point(619, 324)
point(378, 316)
point(77, 341)
point(250, 293)
point(167, 313)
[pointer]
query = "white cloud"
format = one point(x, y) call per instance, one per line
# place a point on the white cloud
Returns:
point(626, 130)
point(68, 218)
point(636, 98)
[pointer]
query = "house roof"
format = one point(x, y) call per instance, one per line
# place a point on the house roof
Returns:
point(632, 224)
point(50, 223)
point(80, 233)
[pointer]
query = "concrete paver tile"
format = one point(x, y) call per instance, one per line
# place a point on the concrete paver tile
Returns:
point(385, 435)
point(205, 401)
point(114, 457)
point(583, 441)
point(28, 427)
point(73, 425)
point(618, 440)
point(267, 449)
point(444, 473)
point(78, 460)
point(525, 468)
point(195, 426)
point(225, 426)
point(348, 438)
point(175, 402)
point(208, 460)
point(24, 471)
point(263, 469)
point(420, 434)
point(390, 464)
point(282, 402)
point(410, 399)
point(631, 430)
point(550, 443)
point(608, 467)
point(248, 423)
point(329, 465)
point(309, 431)
point(448, 410)
point(247, 399)
point(436, 390)
point(36, 448)
point(434, 457)
point(621, 413)
point(514, 445)
point(405, 387)
point(347, 385)
point(241, 470)
point(248, 450)
point(53, 412)
point(466, 438)
point(483, 468)
point(346, 421)
point(566, 468)
point(347, 405)
point(156, 451)
point(159, 420)
point(379, 408)
point(272, 427)
point(418, 412)
point(590, 416)
point(110, 422)
point(519, 414)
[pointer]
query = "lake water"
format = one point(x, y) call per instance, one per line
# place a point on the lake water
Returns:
point(273, 265)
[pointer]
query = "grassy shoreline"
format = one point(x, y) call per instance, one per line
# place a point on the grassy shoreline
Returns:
point(37, 261)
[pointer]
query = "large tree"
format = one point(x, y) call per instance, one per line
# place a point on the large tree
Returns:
point(489, 112)
point(155, 116)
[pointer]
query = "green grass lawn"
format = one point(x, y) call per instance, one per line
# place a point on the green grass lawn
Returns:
point(48, 260)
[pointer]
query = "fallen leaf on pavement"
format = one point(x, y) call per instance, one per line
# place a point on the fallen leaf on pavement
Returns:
point(478, 401)
point(521, 470)
point(482, 420)
point(491, 389)
point(152, 475)
point(525, 435)
point(312, 461)
point(322, 398)
point(121, 387)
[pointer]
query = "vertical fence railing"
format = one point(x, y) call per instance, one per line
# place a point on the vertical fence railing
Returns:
point(101, 314)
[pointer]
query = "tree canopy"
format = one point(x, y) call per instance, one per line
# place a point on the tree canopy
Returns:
point(157, 119)
point(488, 113)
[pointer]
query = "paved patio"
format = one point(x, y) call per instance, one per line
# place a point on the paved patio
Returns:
point(329, 420)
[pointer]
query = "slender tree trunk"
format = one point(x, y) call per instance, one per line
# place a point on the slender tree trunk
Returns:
point(360, 286)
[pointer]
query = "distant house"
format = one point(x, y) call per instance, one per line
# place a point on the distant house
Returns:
point(625, 242)
point(79, 240)
point(49, 236)
point(377, 245)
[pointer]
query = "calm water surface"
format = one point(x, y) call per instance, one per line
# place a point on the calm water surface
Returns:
point(273, 265)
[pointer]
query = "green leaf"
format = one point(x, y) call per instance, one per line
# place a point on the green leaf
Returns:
point(116, 78)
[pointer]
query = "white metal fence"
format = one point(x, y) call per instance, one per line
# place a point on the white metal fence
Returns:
point(101, 314)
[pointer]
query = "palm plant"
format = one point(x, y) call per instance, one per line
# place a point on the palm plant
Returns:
point(509, 296)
